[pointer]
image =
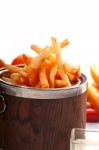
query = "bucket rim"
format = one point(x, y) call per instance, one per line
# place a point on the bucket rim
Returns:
point(44, 93)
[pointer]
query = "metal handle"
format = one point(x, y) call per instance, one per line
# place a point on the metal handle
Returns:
point(3, 105)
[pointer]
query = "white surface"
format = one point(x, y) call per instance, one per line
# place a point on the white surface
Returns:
point(23, 22)
point(92, 125)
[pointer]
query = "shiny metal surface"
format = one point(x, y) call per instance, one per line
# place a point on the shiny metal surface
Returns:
point(38, 93)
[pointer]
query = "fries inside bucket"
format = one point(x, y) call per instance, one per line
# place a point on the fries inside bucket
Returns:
point(41, 118)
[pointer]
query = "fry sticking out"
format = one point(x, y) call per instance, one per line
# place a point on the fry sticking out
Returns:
point(46, 70)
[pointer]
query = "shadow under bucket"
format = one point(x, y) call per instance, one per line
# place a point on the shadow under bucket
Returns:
point(41, 119)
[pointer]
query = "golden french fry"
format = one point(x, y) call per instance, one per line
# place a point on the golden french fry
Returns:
point(15, 69)
point(52, 59)
point(52, 76)
point(46, 70)
point(15, 76)
point(60, 83)
point(12, 68)
point(65, 78)
point(36, 48)
point(64, 43)
point(43, 77)
point(35, 64)
point(38, 85)
point(71, 69)
point(70, 76)
point(9, 80)
point(33, 77)
point(56, 47)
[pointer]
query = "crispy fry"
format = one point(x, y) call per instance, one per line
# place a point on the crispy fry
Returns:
point(52, 76)
point(46, 70)
point(38, 85)
point(36, 48)
point(71, 69)
point(9, 80)
point(33, 77)
point(64, 43)
point(56, 48)
point(43, 77)
point(52, 59)
point(15, 69)
point(15, 77)
point(60, 83)
point(65, 78)
point(12, 68)
point(35, 64)
point(70, 76)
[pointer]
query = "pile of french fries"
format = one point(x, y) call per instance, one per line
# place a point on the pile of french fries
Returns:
point(46, 70)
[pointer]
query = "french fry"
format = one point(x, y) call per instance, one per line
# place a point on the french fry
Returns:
point(56, 48)
point(46, 70)
point(52, 76)
point(15, 69)
point(65, 79)
point(15, 77)
point(36, 48)
point(38, 85)
point(52, 59)
point(59, 61)
point(71, 69)
point(70, 76)
point(37, 60)
point(33, 78)
point(9, 80)
point(43, 77)
point(64, 43)
point(12, 68)
point(60, 83)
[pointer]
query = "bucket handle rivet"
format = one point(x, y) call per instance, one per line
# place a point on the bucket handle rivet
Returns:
point(2, 102)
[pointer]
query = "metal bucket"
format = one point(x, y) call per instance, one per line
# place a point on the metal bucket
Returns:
point(41, 119)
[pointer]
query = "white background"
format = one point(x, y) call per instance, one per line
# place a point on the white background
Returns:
point(24, 22)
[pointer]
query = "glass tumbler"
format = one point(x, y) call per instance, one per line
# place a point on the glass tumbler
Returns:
point(84, 139)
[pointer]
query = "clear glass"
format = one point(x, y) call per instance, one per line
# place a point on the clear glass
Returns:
point(84, 139)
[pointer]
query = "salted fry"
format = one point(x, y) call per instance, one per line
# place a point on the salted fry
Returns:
point(46, 70)
point(60, 83)
point(38, 85)
point(64, 43)
point(37, 60)
point(71, 69)
point(9, 80)
point(65, 78)
point(15, 69)
point(70, 76)
point(33, 77)
point(43, 78)
point(15, 76)
point(52, 58)
point(12, 68)
point(56, 47)
point(52, 76)
point(36, 48)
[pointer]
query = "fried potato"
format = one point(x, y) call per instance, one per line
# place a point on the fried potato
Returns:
point(52, 76)
point(43, 77)
point(46, 70)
